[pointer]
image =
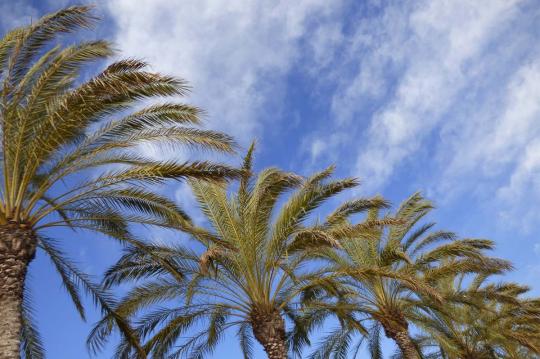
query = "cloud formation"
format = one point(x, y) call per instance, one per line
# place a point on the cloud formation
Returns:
point(236, 54)
point(453, 84)
point(433, 46)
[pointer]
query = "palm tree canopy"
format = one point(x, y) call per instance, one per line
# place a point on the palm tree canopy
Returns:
point(388, 274)
point(48, 120)
point(251, 265)
point(70, 153)
point(482, 320)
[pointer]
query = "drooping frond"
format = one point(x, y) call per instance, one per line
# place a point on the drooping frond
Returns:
point(248, 268)
point(74, 279)
point(390, 273)
point(246, 341)
point(71, 152)
point(48, 114)
point(31, 342)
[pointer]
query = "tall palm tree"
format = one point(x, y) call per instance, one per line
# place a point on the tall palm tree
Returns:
point(387, 274)
point(247, 274)
point(483, 321)
point(57, 128)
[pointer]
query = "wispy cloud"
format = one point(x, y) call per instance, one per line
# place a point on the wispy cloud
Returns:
point(235, 53)
point(452, 83)
point(433, 45)
point(15, 14)
point(439, 95)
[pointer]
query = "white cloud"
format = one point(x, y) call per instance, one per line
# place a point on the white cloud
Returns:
point(442, 39)
point(317, 148)
point(324, 43)
point(15, 14)
point(526, 177)
point(234, 53)
point(446, 94)
point(373, 49)
point(324, 146)
point(494, 150)
point(519, 197)
point(498, 136)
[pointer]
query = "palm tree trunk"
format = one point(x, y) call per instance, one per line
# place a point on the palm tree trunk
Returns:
point(397, 329)
point(269, 330)
point(17, 249)
point(406, 345)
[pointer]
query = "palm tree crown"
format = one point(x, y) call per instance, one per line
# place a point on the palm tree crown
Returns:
point(248, 274)
point(57, 130)
point(482, 320)
point(387, 276)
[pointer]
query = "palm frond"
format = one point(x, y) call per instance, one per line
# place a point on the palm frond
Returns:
point(31, 342)
point(102, 299)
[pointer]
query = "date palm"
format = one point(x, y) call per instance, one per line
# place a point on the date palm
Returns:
point(60, 136)
point(388, 275)
point(247, 274)
point(483, 320)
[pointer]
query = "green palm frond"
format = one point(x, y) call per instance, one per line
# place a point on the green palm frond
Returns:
point(246, 340)
point(375, 349)
point(75, 279)
point(335, 345)
point(483, 321)
point(31, 342)
point(249, 265)
point(389, 272)
point(46, 116)
point(349, 208)
point(71, 144)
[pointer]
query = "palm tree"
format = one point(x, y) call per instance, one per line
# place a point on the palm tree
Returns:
point(57, 129)
point(483, 321)
point(387, 275)
point(247, 274)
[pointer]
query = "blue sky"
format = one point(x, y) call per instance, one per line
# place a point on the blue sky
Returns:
point(437, 96)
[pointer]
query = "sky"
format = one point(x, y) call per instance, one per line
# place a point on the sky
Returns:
point(437, 96)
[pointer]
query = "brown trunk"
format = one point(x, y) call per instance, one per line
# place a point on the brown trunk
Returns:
point(406, 345)
point(17, 249)
point(269, 330)
point(396, 328)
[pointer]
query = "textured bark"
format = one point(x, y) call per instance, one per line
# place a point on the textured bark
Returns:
point(397, 329)
point(17, 249)
point(269, 330)
point(406, 345)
